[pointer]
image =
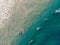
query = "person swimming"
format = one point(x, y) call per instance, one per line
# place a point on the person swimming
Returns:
point(56, 11)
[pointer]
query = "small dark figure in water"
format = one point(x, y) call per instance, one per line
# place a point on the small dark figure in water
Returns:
point(20, 33)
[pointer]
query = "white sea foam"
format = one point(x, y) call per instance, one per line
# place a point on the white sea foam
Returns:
point(58, 10)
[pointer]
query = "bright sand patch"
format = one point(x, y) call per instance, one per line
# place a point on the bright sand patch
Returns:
point(5, 13)
point(15, 16)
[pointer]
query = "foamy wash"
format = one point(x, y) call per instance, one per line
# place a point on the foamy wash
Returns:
point(43, 25)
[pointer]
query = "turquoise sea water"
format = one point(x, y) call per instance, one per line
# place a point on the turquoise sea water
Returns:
point(50, 32)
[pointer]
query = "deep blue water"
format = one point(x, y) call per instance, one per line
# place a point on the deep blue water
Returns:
point(50, 32)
